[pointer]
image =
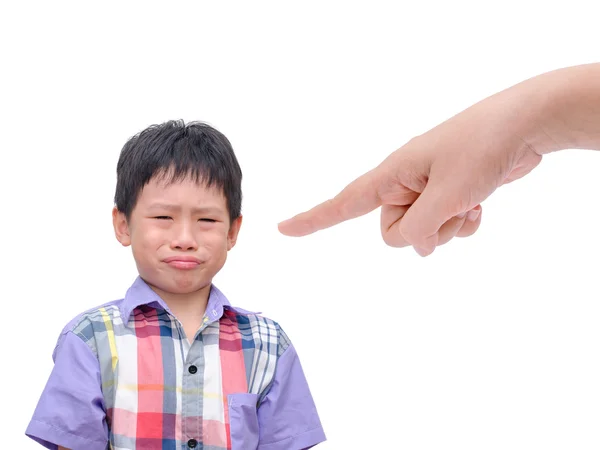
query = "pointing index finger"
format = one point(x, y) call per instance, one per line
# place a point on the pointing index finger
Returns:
point(358, 198)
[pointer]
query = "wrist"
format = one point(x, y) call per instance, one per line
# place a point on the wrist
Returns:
point(561, 109)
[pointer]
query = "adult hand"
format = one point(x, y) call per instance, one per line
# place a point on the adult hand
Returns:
point(430, 190)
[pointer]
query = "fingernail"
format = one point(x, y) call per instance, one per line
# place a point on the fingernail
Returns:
point(473, 215)
point(461, 215)
point(421, 251)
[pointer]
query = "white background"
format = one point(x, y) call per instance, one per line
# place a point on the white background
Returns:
point(490, 343)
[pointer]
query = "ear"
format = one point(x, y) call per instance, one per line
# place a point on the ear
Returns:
point(233, 232)
point(121, 227)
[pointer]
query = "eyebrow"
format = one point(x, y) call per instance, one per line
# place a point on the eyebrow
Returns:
point(175, 208)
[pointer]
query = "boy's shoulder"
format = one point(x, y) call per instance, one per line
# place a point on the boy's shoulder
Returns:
point(98, 314)
point(258, 327)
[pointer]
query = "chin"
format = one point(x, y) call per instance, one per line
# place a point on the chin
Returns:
point(188, 285)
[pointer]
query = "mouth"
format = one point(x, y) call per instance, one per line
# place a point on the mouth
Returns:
point(183, 262)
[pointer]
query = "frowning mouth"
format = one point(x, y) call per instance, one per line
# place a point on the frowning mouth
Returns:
point(183, 262)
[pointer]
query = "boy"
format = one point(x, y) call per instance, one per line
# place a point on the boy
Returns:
point(173, 365)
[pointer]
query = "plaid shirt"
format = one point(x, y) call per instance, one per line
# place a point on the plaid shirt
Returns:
point(125, 377)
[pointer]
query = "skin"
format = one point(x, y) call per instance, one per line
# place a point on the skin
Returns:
point(430, 190)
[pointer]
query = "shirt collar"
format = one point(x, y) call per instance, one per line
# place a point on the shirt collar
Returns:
point(141, 294)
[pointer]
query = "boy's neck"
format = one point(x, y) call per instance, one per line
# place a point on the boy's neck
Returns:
point(186, 307)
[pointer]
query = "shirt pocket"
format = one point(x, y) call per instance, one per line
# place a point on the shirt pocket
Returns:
point(243, 421)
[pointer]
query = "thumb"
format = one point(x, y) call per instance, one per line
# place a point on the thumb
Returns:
point(441, 200)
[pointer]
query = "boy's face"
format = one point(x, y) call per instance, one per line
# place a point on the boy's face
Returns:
point(180, 234)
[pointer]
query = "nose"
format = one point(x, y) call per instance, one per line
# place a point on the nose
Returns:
point(183, 238)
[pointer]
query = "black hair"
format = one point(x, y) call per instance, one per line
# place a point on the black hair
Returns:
point(176, 150)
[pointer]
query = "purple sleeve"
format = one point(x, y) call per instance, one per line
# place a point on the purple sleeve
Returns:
point(287, 415)
point(71, 411)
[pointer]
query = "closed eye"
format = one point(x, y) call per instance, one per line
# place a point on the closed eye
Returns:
point(208, 220)
point(162, 217)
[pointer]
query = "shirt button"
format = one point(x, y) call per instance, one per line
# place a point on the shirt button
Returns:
point(192, 443)
point(192, 370)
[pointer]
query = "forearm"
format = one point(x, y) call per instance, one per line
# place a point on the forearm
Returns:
point(561, 109)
